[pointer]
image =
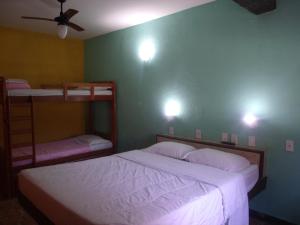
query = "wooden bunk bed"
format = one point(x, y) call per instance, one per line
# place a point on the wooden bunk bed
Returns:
point(17, 156)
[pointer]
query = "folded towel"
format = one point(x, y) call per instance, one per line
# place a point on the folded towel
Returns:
point(16, 81)
point(12, 84)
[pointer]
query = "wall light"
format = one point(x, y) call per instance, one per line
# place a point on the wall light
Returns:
point(172, 108)
point(147, 50)
point(250, 120)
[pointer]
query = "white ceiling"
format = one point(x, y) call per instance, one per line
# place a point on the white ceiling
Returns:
point(96, 16)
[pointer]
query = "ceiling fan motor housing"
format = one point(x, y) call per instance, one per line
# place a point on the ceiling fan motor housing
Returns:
point(61, 19)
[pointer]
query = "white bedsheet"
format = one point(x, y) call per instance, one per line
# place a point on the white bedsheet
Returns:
point(250, 175)
point(55, 92)
point(136, 188)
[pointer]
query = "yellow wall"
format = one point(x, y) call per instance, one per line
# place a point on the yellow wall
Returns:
point(45, 59)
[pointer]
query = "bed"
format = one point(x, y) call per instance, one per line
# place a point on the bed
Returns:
point(51, 151)
point(58, 92)
point(19, 90)
point(137, 188)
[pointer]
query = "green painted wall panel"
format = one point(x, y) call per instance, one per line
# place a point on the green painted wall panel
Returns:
point(219, 61)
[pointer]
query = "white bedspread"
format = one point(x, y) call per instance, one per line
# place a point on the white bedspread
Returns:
point(136, 188)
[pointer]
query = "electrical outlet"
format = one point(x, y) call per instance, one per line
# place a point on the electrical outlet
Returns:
point(171, 131)
point(198, 134)
point(289, 145)
point(251, 141)
point(234, 139)
point(224, 136)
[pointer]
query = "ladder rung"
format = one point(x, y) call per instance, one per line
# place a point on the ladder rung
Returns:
point(20, 118)
point(20, 145)
point(21, 131)
point(20, 158)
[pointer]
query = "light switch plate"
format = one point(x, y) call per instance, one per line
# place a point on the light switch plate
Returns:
point(224, 136)
point(198, 134)
point(171, 131)
point(251, 141)
point(289, 145)
point(234, 139)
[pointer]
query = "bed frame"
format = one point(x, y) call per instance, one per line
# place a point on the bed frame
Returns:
point(8, 103)
point(254, 156)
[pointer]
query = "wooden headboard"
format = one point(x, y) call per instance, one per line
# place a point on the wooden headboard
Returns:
point(254, 156)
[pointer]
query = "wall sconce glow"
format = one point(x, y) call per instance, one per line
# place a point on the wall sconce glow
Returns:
point(172, 108)
point(250, 120)
point(147, 50)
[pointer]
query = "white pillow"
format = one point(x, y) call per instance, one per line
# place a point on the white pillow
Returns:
point(218, 159)
point(170, 149)
point(91, 140)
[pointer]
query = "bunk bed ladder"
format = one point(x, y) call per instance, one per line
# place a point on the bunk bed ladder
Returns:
point(20, 131)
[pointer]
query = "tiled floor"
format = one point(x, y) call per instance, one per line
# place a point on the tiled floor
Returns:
point(254, 221)
point(11, 213)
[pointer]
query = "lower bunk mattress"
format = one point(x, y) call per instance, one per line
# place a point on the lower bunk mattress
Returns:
point(136, 188)
point(60, 149)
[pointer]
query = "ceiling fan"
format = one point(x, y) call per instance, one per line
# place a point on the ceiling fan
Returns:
point(63, 20)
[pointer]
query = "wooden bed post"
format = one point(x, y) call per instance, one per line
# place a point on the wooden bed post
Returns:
point(8, 148)
point(114, 118)
point(32, 131)
point(91, 127)
point(7, 167)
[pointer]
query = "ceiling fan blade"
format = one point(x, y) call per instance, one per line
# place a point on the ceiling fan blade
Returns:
point(75, 26)
point(70, 12)
point(37, 18)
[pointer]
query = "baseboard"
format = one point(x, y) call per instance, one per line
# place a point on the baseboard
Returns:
point(268, 218)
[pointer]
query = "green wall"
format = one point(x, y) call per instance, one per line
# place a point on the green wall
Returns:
point(219, 61)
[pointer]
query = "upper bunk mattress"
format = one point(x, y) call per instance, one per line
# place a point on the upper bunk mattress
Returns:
point(136, 188)
point(57, 92)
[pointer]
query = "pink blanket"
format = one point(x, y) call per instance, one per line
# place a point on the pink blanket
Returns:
point(12, 86)
point(52, 150)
